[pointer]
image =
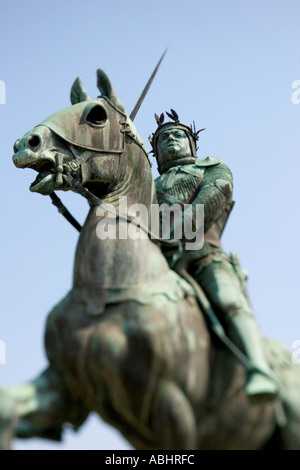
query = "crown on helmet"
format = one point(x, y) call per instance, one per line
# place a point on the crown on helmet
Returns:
point(190, 131)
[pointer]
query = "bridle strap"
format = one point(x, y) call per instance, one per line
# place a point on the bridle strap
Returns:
point(95, 201)
point(64, 211)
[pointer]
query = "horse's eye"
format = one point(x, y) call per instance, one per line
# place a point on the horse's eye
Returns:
point(96, 116)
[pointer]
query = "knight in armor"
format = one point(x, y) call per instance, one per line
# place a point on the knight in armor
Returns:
point(208, 181)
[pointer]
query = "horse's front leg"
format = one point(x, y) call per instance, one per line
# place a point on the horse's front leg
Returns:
point(37, 408)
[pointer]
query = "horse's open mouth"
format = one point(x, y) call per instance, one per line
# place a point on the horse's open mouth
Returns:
point(45, 177)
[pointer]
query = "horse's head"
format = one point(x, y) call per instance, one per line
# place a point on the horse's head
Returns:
point(91, 140)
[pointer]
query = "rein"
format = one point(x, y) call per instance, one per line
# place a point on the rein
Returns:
point(95, 201)
point(64, 211)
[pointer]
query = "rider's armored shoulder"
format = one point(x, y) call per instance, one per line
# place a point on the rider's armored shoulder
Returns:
point(209, 161)
point(218, 171)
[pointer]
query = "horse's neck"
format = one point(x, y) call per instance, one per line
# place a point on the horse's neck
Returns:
point(117, 261)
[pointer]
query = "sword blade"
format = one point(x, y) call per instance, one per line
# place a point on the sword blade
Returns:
point(145, 90)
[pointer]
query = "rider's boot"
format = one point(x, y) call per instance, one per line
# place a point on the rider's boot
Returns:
point(261, 385)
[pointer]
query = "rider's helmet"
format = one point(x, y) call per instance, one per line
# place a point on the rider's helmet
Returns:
point(190, 132)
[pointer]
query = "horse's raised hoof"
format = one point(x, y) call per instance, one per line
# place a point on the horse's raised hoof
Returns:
point(260, 388)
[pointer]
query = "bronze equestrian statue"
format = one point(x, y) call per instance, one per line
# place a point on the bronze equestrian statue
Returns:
point(129, 341)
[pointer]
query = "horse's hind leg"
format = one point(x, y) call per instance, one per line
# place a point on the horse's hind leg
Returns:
point(173, 419)
point(37, 408)
point(8, 419)
point(288, 436)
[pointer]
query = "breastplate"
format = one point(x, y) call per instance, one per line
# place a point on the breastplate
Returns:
point(184, 188)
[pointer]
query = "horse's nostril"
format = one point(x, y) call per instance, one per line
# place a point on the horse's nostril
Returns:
point(34, 141)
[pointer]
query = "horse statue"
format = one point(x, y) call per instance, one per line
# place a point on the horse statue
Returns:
point(130, 341)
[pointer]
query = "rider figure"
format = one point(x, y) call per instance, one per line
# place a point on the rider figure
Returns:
point(208, 181)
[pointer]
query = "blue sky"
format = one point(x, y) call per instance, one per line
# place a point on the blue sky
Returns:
point(230, 66)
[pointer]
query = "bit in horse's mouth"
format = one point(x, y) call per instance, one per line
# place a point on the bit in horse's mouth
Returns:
point(44, 169)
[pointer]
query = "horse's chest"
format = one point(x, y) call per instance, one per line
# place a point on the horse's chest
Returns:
point(81, 345)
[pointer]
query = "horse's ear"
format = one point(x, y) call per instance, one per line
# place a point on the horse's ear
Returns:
point(78, 93)
point(103, 83)
point(106, 89)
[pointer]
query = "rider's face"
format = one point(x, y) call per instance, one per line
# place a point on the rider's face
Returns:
point(172, 144)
